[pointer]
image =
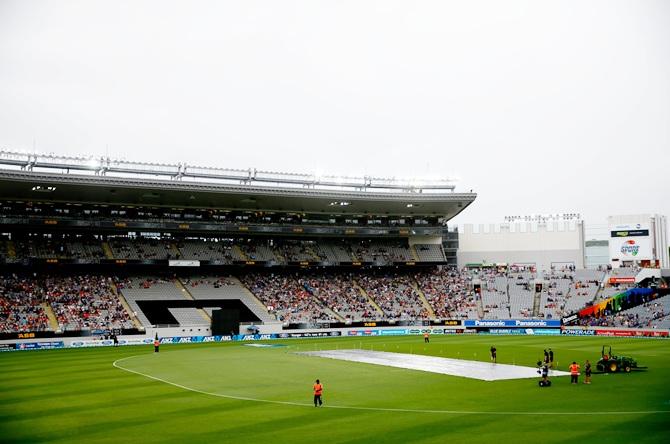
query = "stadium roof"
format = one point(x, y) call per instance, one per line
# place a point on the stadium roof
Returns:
point(48, 178)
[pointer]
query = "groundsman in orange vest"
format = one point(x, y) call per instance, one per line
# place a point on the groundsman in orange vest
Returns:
point(318, 391)
point(574, 372)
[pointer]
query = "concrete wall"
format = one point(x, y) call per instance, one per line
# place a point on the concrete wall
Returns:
point(543, 245)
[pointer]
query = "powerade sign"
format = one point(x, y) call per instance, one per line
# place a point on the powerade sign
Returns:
point(579, 332)
point(517, 323)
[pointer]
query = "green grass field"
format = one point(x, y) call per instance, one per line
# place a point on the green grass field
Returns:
point(77, 395)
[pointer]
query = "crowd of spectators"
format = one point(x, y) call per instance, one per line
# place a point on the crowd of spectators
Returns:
point(338, 292)
point(285, 297)
point(642, 316)
point(394, 294)
point(21, 307)
point(78, 302)
point(85, 302)
point(90, 301)
point(449, 292)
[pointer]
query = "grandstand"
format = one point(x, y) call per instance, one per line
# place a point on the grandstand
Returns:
point(172, 243)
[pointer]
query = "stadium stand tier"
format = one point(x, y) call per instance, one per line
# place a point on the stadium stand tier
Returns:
point(94, 302)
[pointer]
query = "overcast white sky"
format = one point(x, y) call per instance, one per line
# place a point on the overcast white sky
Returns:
point(539, 106)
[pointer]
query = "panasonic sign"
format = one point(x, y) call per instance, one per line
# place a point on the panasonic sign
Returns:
point(520, 323)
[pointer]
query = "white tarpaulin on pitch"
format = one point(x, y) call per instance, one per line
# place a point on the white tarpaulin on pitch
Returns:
point(485, 371)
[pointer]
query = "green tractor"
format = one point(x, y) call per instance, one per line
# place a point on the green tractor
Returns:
point(610, 363)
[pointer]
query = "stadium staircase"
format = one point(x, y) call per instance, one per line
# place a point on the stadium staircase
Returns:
point(536, 303)
point(371, 301)
point(240, 253)
point(109, 254)
point(480, 304)
point(415, 255)
point(253, 303)
point(312, 253)
point(424, 301)
point(174, 250)
point(129, 310)
point(598, 294)
point(11, 249)
point(278, 258)
point(329, 311)
point(187, 294)
point(53, 322)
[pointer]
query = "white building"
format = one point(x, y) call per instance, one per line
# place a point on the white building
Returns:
point(639, 239)
point(538, 244)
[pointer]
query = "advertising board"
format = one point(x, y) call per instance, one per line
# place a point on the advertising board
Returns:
point(630, 242)
point(518, 323)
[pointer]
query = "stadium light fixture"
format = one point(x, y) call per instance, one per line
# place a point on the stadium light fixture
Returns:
point(41, 189)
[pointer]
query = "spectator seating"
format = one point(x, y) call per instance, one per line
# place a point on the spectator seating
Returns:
point(209, 250)
point(449, 292)
point(21, 307)
point(189, 316)
point(337, 291)
point(285, 297)
point(394, 294)
point(137, 249)
point(225, 287)
point(430, 252)
point(148, 289)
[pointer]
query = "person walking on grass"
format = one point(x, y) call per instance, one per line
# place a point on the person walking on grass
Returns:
point(494, 354)
point(318, 391)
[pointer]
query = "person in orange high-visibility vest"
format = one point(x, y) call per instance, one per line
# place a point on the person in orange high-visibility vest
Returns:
point(426, 337)
point(574, 372)
point(318, 391)
point(156, 344)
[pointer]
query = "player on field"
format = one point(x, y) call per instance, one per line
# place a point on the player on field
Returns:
point(587, 372)
point(494, 356)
